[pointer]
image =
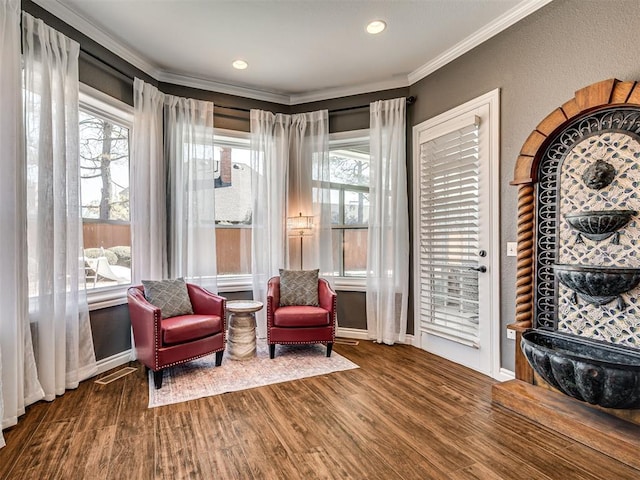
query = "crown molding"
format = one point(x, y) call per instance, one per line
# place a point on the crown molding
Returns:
point(220, 87)
point(281, 98)
point(87, 28)
point(501, 23)
point(327, 94)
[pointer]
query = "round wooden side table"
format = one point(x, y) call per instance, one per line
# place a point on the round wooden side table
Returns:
point(241, 342)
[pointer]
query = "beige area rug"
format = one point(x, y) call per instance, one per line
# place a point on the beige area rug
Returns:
point(200, 378)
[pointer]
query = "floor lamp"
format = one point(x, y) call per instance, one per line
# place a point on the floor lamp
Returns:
point(300, 226)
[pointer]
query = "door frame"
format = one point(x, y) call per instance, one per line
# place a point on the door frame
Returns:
point(492, 100)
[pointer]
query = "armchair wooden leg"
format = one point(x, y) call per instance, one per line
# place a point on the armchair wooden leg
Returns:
point(329, 347)
point(219, 358)
point(272, 350)
point(157, 378)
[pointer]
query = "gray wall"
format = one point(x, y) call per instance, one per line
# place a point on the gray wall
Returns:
point(110, 328)
point(538, 64)
point(352, 311)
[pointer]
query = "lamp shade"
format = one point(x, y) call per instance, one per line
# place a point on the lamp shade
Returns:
point(301, 225)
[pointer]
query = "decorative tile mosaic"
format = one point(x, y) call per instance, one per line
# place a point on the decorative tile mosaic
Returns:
point(621, 151)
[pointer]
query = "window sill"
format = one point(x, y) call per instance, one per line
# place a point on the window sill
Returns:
point(235, 283)
point(350, 284)
point(109, 297)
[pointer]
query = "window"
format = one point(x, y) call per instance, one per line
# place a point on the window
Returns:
point(233, 203)
point(105, 127)
point(349, 183)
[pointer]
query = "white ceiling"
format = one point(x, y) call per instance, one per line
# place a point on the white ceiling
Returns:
point(297, 50)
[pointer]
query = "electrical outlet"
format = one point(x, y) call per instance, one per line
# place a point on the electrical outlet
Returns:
point(512, 249)
point(511, 334)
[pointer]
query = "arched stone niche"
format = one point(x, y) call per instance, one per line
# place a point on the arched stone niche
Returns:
point(605, 112)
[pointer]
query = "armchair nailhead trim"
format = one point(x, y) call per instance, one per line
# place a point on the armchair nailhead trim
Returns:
point(324, 342)
point(269, 315)
point(192, 358)
point(156, 334)
point(224, 322)
point(335, 314)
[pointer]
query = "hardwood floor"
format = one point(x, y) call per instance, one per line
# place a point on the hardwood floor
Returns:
point(404, 414)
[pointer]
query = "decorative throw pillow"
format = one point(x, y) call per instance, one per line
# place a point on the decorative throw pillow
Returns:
point(299, 287)
point(170, 296)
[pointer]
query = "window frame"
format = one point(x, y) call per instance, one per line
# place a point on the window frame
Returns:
point(337, 140)
point(102, 105)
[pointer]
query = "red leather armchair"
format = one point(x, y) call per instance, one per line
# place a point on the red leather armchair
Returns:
point(161, 343)
point(297, 324)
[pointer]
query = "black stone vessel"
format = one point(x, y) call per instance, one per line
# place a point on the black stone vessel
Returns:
point(599, 225)
point(597, 285)
point(591, 371)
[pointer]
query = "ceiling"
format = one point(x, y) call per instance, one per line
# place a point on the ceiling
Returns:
point(297, 50)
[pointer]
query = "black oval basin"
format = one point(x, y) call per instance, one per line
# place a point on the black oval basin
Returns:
point(599, 224)
point(595, 372)
point(598, 285)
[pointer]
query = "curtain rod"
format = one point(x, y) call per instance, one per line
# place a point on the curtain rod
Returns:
point(410, 101)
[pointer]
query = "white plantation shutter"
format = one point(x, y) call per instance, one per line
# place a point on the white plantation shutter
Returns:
point(449, 233)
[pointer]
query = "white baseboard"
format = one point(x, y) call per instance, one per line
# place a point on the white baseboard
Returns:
point(355, 333)
point(113, 361)
point(359, 334)
point(505, 375)
point(410, 340)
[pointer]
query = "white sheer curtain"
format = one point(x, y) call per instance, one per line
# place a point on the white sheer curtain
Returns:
point(19, 385)
point(309, 191)
point(270, 168)
point(58, 308)
point(189, 152)
point(148, 188)
point(388, 243)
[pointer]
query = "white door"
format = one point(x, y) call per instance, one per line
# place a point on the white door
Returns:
point(456, 234)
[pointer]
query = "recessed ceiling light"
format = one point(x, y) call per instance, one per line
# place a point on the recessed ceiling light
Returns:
point(240, 64)
point(376, 26)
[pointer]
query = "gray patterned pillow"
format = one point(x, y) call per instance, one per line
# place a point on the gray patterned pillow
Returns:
point(170, 296)
point(299, 287)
